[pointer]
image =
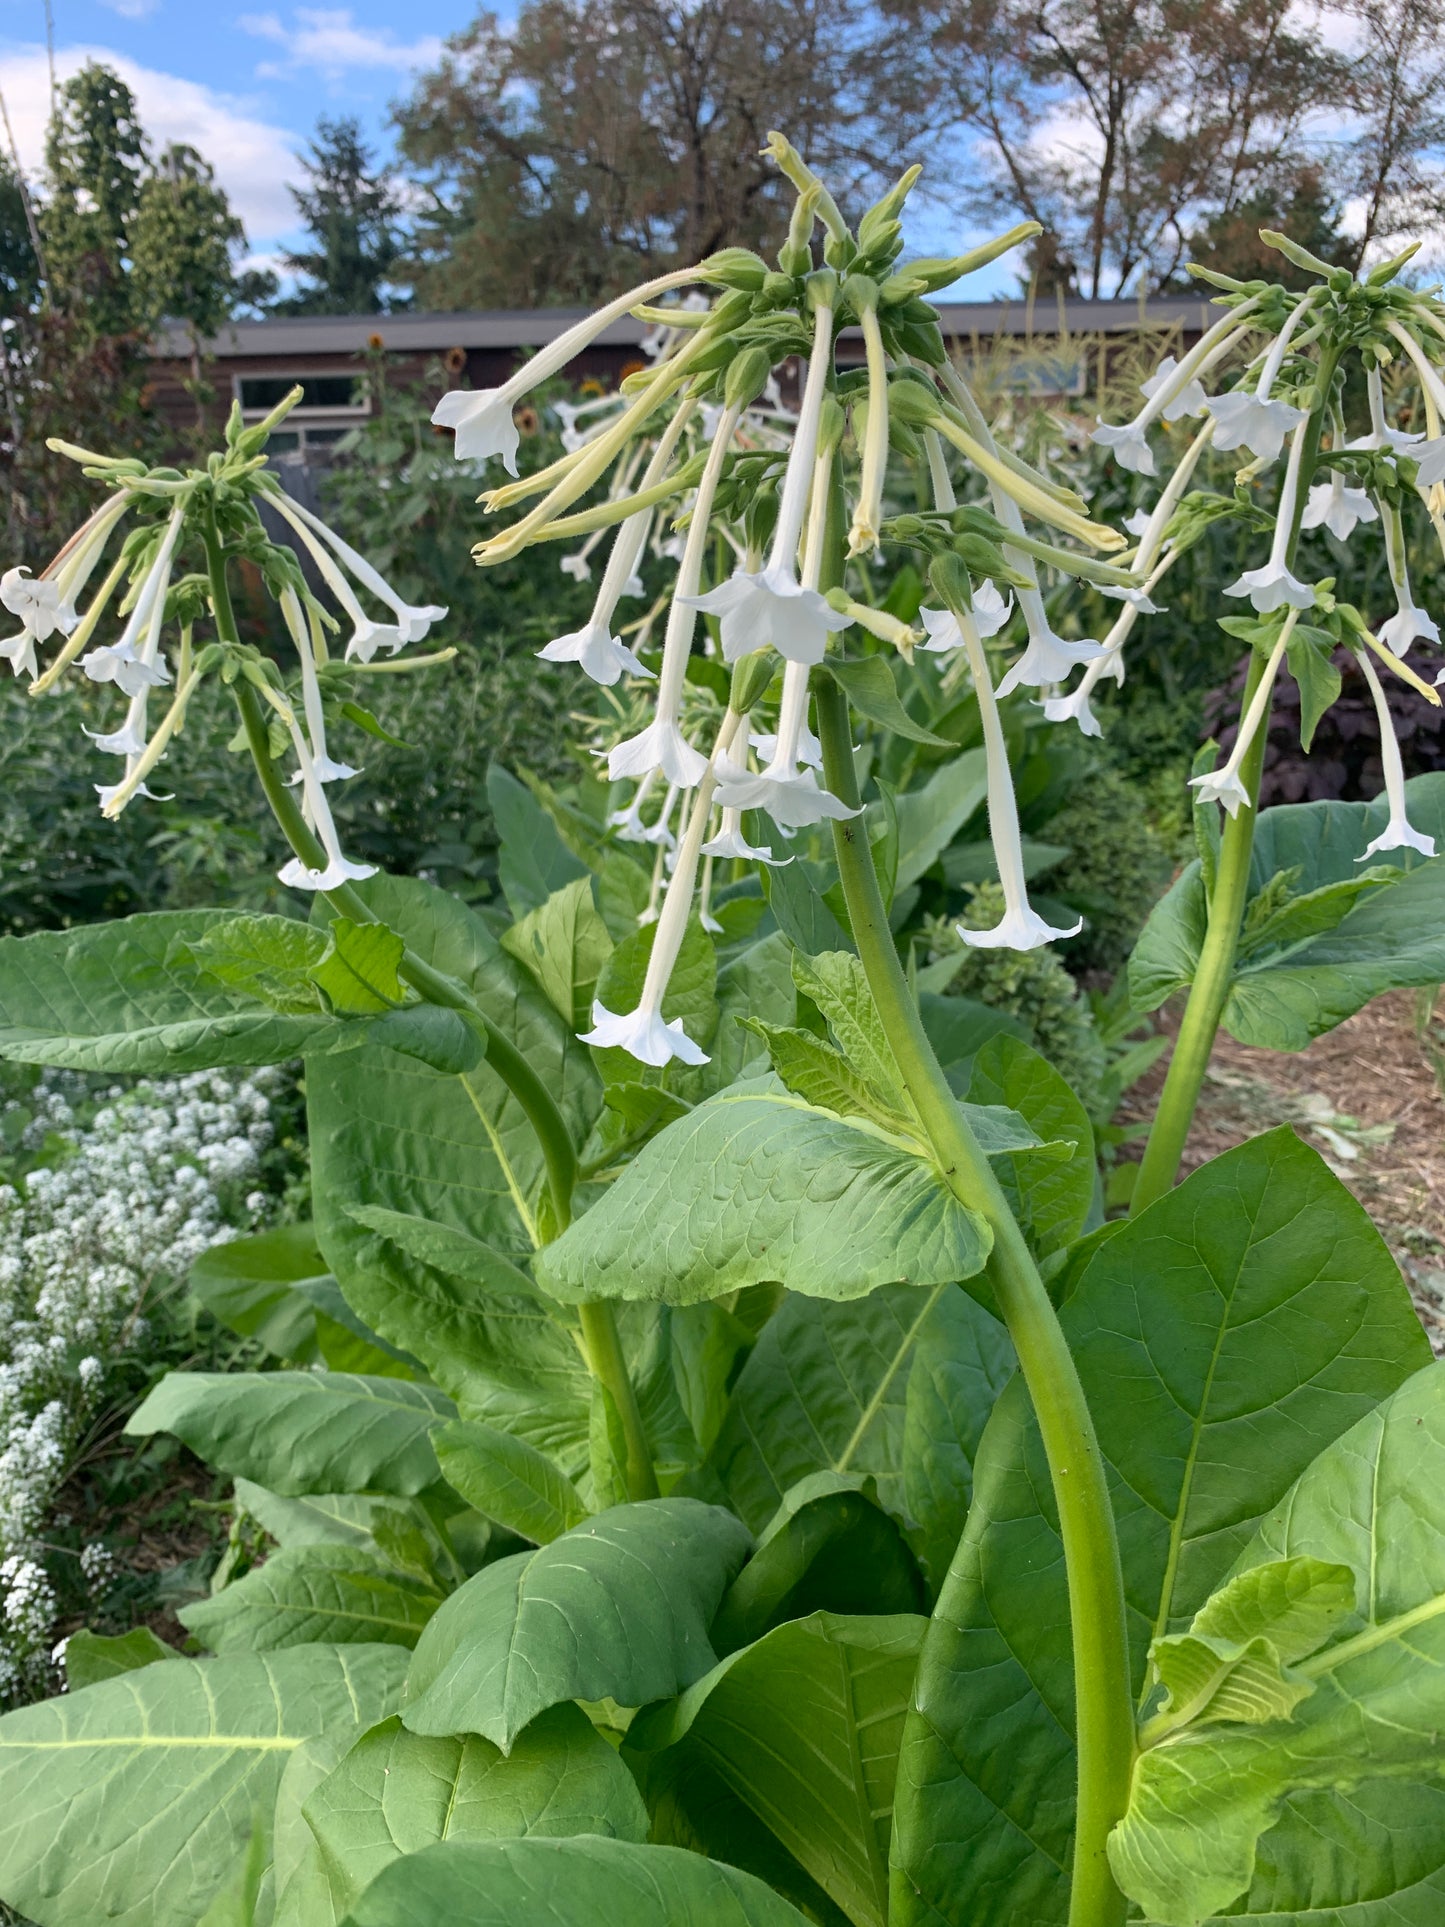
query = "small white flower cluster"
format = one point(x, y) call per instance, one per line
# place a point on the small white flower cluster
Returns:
point(131, 1199)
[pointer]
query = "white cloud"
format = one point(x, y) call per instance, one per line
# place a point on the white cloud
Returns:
point(328, 40)
point(253, 158)
point(132, 9)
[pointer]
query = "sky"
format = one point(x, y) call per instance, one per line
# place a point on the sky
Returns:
point(243, 85)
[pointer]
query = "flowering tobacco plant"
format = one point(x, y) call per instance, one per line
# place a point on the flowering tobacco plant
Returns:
point(720, 1465)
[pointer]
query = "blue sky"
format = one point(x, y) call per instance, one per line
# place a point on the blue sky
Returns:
point(246, 85)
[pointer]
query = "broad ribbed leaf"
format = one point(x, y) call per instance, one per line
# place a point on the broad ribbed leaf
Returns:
point(617, 1609)
point(804, 1728)
point(566, 1883)
point(1224, 1337)
point(533, 859)
point(756, 1188)
point(309, 1596)
point(396, 1792)
point(299, 1432)
point(389, 1132)
point(1050, 1194)
point(92, 1657)
point(896, 1386)
point(1283, 996)
point(564, 944)
point(248, 1283)
point(1373, 1501)
point(129, 996)
point(508, 1480)
point(130, 1801)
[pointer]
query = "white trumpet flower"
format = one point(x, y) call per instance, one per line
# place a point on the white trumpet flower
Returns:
point(1130, 442)
point(990, 613)
point(661, 744)
point(337, 869)
point(1333, 505)
point(1188, 399)
point(1398, 833)
point(35, 600)
point(1021, 927)
point(1409, 621)
point(412, 621)
point(1048, 657)
point(1249, 416)
point(324, 766)
point(1274, 585)
point(1382, 437)
point(367, 635)
point(769, 605)
point(1226, 785)
point(482, 418)
point(787, 789)
point(730, 841)
point(122, 663)
point(1073, 707)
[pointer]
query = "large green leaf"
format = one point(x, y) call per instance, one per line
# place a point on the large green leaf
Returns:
point(457, 1151)
point(565, 1883)
point(131, 996)
point(896, 1386)
point(396, 1792)
point(1224, 1337)
point(533, 860)
point(804, 1727)
point(564, 944)
point(129, 1801)
point(762, 1187)
point(508, 1480)
point(1374, 1502)
point(312, 1595)
point(1050, 1194)
point(617, 1609)
point(930, 816)
point(299, 1432)
point(274, 1287)
point(1287, 991)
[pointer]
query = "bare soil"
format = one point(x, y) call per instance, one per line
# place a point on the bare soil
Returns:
point(1368, 1098)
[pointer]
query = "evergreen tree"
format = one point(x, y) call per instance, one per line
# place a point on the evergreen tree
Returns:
point(19, 270)
point(182, 240)
point(350, 213)
point(95, 165)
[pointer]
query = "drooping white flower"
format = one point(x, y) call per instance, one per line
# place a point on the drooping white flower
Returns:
point(1244, 418)
point(787, 790)
point(1429, 458)
point(1021, 927)
point(1274, 585)
point(769, 606)
point(1381, 436)
point(337, 869)
point(1190, 399)
point(809, 750)
point(483, 418)
point(990, 613)
point(35, 600)
point(1410, 623)
point(1409, 620)
point(661, 744)
point(1333, 505)
point(19, 652)
point(1139, 599)
point(130, 738)
point(1137, 521)
point(1073, 707)
point(1048, 657)
point(1129, 445)
point(412, 620)
point(1130, 442)
point(325, 767)
point(1398, 833)
point(643, 1033)
point(601, 655)
point(730, 841)
point(324, 546)
point(1226, 785)
point(135, 668)
point(577, 566)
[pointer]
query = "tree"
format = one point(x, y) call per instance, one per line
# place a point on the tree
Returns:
point(182, 239)
point(95, 163)
point(351, 213)
point(1121, 126)
point(1396, 88)
point(592, 142)
point(1228, 240)
point(19, 268)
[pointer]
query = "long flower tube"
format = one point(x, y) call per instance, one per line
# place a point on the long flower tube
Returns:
point(79, 641)
point(367, 635)
point(337, 869)
point(601, 654)
point(661, 745)
point(1226, 785)
point(304, 637)
point(115, 796)
point(863, 535)
point(1274, 584)
point(413, 621)
point(1409, 621)
point(1398, 834)
point(644, 1032)
point(770, 606)
point(482, 418)
point(1074, 705)
point(45, 603)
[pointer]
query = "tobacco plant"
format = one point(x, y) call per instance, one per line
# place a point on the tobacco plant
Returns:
point(720, 1467)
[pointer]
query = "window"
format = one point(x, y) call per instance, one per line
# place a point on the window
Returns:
point(321, 394)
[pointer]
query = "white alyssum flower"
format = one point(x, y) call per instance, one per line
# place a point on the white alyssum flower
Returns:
point(769, 606)
point(661, 745)
point(482, 418)
point(1398, 833)
point(1021, 927)
point(1335, 506)
point(1274, 585)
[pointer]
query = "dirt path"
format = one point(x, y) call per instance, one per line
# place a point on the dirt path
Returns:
point(1368, 1098)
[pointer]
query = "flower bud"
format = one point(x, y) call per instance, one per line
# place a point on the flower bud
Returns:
point(751, 677)
point(949, 580)
point(1387, 270)
point(913, 403)
point(778, 289)
point(737, 268)
point(747, 377)
point(860, 291)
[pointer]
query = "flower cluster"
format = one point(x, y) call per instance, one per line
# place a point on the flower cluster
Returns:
point(147, 605)
point(1287, 399)
point(125, 1200)
point(703, 434)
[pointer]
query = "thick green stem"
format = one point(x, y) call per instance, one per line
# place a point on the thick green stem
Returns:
point(1229, 898)
point(1104, 1709)
point(599, 1322)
